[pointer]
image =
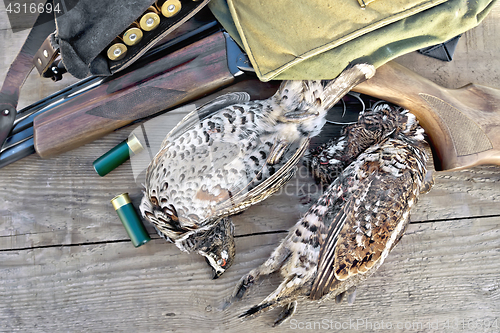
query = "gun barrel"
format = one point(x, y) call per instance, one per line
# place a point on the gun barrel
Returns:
point(176, 78)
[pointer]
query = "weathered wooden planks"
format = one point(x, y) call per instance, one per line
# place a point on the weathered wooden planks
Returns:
point(439, 272)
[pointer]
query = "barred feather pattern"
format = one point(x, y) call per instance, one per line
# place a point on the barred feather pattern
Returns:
point(347, 234)
point(219, 160)
point(327, 161)
point(230, 154)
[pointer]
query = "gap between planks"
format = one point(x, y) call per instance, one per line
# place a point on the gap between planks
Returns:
point(272, 232)
point(438, 272)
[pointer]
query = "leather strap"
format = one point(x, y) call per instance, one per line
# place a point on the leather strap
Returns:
point(45, 56)
point(19, 71)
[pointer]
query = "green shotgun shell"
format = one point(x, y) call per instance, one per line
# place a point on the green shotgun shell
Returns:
point(131, 221)
point(118, 155)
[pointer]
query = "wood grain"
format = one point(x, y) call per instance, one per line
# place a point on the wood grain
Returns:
point(66, 264)
point(439, 272)
point(475, 60)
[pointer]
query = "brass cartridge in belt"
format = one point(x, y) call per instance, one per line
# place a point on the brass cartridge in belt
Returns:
point(170, 8)
point(117, 50)
point(132, 35)
point(151, 19)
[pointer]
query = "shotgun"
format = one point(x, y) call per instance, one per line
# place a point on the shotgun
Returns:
point(463, 125)
point(186, 68)
point(186, 74)
point(95, 107)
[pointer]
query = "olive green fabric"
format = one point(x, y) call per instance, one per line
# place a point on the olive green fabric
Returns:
point(317, 39)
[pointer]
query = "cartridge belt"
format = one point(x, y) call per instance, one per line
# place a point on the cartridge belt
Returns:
point(149, 28)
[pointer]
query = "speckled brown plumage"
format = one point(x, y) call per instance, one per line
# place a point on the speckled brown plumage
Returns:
point(330, 159)
point(233, 153)
point(346, 235)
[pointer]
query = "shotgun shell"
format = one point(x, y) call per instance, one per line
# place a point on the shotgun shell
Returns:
point(170, 8)
point(118, 155)
point(131, 221)
point(150, 20)
point(132, 35)
point(117, 51)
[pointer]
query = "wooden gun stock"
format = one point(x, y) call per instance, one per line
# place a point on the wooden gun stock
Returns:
point(463, 125)
point(179, 77)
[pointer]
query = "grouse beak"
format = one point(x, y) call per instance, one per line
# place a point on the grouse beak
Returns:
point(216, 274)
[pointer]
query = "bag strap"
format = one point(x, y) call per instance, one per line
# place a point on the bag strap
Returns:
point(45, 56)
point(19, 71)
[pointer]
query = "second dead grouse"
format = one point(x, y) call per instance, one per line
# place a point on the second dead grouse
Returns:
point(347, 234)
